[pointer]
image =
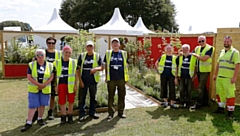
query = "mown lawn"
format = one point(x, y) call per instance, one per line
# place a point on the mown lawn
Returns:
point(142, 121)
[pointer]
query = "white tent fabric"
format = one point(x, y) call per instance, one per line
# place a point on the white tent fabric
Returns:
point(116, 25)
point(56, 24)
point(140, 26)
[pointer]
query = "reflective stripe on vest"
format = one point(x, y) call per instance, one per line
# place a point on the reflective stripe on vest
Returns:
point(161, 64)
point(47, 74)
point(204, 66)
point(125, 65)
point(226, 64)
point(191, 67)
point(94, 65)
point(72, 66)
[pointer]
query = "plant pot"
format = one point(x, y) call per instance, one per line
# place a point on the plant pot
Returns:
point(15, 70)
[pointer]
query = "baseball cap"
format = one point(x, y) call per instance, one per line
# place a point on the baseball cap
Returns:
point(115, 39)
point(89, 43)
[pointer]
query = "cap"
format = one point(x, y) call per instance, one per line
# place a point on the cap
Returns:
point(115, 39)
point(89, 43)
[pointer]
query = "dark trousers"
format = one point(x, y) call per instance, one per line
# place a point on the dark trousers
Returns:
point(82, 98)
point(186, 86)
point(112, 85)
point(167, 83)
point(202, 88)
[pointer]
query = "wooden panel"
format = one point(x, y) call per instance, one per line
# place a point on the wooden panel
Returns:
point(228, 30)
point(219, 46)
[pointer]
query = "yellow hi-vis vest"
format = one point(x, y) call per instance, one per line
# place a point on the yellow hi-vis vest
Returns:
point(58, 54)
point(47, 74)
point(204, 66)
point(125, 65)
point(191, 65)
point(95, 64)
point(226, 63)
point(161, 64)
point(72, 66)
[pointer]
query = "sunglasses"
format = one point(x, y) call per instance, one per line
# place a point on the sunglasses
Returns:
point(201, 41)
point(40, 55)
point(51, 43)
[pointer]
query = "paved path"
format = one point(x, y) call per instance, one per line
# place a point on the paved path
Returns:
point(135, 99)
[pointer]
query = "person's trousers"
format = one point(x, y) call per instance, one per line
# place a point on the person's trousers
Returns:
point(167, 83)
point(112, 85)
point(202, 88)
point(186, 86)
point(82, 99)
point(225, 93)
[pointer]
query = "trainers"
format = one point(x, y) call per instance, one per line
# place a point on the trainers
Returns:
point(41, 122)
point(174, 106)
point(70, 118)
point(81, 119)
point(63, 119)
point(109, 117)
point(50, 115)
point(35, 117)
point(220, 110)
point(165, 105)
point(26, 127)
point(95, 116)
point(122, 116)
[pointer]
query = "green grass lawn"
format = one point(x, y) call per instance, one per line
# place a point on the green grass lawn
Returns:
point(142, 121)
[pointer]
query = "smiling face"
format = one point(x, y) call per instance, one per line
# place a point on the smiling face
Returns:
point(40, 56)
point(51, 44)
point(67, 53)
point(185, 50)
point(202, 41)
point(89, 48)
point(115, 45)
point(227, 42)
point(169, 49)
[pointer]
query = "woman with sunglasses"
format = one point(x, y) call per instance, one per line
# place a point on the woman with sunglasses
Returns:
point(166, 65)
point(40, 75)
point(67, 79)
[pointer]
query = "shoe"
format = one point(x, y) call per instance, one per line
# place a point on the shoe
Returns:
point(230, 115)
point(70, 118)
point(220, 110)
point(109, 117)
point(50, 115)
point(122, 116)
point(174, 106)
point(26, 127)
point(41, 122)
point(195, 106)
point(95, 116)
point(63, 120)
point(165, 105)
point(35, 117)
point(81, 119)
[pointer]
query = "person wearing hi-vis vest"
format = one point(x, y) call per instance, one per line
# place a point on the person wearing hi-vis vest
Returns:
point(203, 53)
point(39, 75)
point(116, 67)
point(226, 73)
point(66, 87)
point(186, 71)
point(166, 66)
point(51, 54)
point(89, 63)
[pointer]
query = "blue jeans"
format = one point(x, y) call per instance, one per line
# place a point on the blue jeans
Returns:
point(82, 98)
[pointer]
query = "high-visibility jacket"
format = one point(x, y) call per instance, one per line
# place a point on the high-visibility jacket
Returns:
point(125, 65)
point(162, 61)
point(58, 55)
point(191, 65)
point(95, 64)
point(72, 66)
point(47, 74)
point(226, 63)
point(204, 66)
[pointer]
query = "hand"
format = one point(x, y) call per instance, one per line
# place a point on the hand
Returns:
point(214, 77)
point(194, 77)
point(233, 80)
point(106, 80)
point(176, 81)
point(75, 88)
point(81, 84)
point(56, 89)
point(93, 71)
point(41, 86)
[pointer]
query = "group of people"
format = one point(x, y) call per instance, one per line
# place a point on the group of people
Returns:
point(183, 69)
point(54, 73)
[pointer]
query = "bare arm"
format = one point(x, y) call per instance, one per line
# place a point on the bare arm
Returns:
point(156, 64)
point(30, 78)
point(203, 58)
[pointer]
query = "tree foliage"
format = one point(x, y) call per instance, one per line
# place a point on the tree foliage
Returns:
point(85, 14)
point(24, 26)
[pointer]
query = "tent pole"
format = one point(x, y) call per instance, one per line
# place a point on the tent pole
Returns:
point(2, 47)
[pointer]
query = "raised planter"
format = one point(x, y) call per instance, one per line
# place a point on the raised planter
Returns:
point(15, 70)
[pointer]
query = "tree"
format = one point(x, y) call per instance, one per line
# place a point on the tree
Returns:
point(24, 26)
point(86, 14)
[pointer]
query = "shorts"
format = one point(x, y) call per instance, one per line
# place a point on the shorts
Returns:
point(36, 100)
point(63, 94)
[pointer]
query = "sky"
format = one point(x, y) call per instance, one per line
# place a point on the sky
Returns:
point(202, 15)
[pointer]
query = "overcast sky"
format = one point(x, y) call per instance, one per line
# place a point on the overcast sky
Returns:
point(202, 15)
